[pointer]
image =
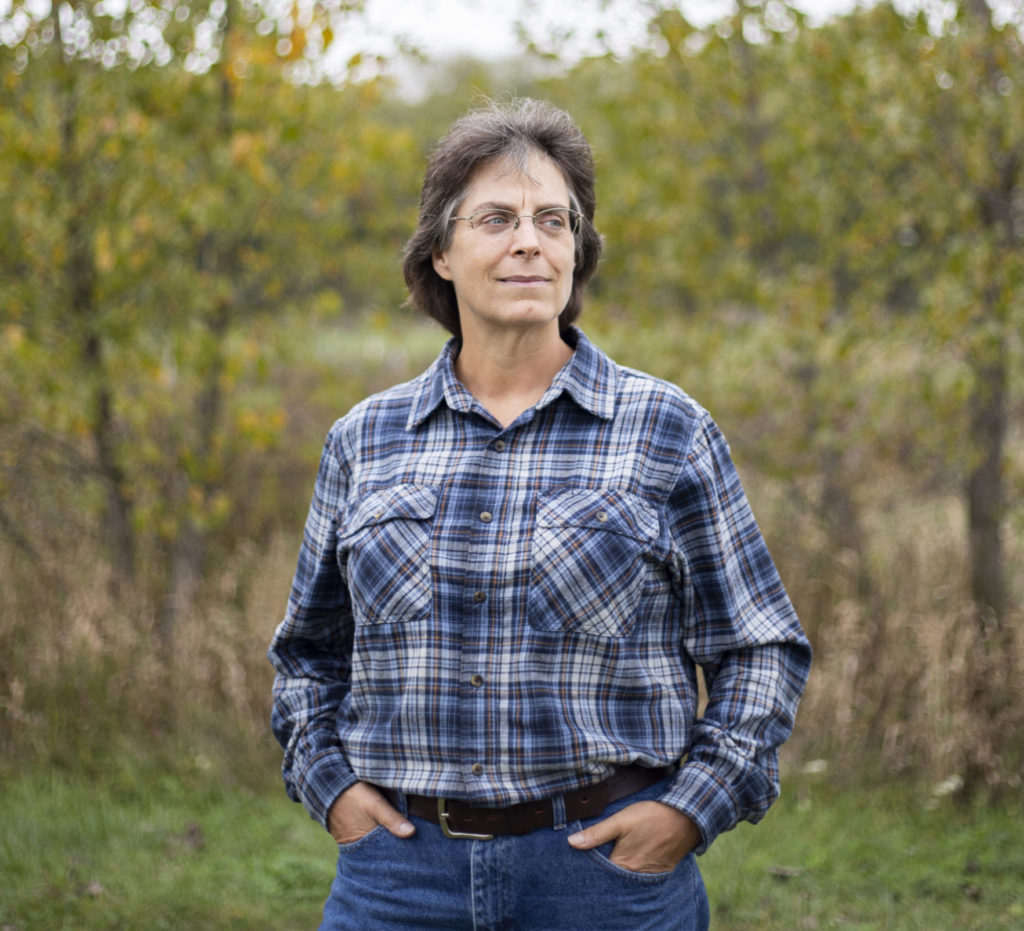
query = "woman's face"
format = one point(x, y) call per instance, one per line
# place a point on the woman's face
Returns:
point(517, 279)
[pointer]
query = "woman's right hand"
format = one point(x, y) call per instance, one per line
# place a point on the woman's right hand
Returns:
point(359, 809)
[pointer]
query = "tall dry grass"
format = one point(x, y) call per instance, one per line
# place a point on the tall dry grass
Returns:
point(83, 677)
point(893, 689)
point(904, 678)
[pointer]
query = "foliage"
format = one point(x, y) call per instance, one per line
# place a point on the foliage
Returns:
point(196, 34)
point(156, 220)
point(817, 232)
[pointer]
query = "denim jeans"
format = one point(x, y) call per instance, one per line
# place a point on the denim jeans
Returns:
point(535, 882)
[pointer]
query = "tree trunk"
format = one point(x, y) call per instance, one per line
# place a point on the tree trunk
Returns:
point(188, 551)
point(79, 275)
point(991, 661)
point(984, 491)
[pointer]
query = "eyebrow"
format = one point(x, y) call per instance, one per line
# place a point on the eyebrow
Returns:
point(498, 205)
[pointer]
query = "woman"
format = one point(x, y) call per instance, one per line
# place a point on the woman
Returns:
point(512, 565)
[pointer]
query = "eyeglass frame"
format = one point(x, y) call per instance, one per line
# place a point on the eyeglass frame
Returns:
point(575, 218)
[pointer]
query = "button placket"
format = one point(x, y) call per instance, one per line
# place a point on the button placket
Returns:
point(480, 581)
point(480, 595)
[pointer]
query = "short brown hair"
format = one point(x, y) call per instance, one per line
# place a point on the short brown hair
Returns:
point(506, 132)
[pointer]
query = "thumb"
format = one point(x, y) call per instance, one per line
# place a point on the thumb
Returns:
point(393, 820)
point(597, 834)
point(400, 827)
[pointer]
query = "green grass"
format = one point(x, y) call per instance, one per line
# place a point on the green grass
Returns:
point(141, 848)
point(142, 851)
point(861, 859)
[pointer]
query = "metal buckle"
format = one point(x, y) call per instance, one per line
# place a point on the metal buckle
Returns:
point(442, 818)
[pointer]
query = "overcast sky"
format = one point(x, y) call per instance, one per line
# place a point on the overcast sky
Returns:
point(486, 27)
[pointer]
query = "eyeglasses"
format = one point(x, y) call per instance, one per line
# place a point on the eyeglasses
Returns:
point(494, 221)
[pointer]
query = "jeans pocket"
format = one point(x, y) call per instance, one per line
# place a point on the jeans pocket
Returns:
point(385, 545)
point(590, 561)
point(601, 857)
point(365, 840)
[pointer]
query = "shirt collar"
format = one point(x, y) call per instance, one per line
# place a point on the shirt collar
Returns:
point(589, 378)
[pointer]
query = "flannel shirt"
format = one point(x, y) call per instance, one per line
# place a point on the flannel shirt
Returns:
point(502, 614)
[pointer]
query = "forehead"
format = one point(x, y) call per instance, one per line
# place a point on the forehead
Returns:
point(540, 179)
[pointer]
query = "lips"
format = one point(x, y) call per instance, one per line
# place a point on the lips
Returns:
point(525, 279)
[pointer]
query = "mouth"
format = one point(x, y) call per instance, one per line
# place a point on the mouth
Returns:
point(525, 279)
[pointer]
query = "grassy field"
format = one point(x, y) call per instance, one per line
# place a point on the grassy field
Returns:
point(140, 848)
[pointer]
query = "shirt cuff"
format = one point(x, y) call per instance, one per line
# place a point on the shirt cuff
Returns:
point(700, 794)
point(325, 778)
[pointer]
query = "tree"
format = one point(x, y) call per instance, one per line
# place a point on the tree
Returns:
point(182, 191)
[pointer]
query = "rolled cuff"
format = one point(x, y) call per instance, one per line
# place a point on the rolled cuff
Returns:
point(324, 779)
point(709, 802)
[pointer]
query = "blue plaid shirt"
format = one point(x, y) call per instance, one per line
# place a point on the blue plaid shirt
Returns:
point(502, 614)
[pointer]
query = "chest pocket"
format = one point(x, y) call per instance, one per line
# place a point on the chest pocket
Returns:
point(385, 541)
point(588, 562)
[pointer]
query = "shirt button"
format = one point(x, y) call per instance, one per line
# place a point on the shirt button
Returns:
point(486, 516)
point(602, 516)
point(479, 597)
point(476, 680)
point(499, 445)
point(477, 769)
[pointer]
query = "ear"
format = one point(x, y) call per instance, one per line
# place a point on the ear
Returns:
point(440, 261)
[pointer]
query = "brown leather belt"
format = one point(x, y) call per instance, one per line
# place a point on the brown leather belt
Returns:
point(464, 821)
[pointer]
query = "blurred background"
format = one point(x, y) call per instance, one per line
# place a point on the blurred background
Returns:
point(814, 222)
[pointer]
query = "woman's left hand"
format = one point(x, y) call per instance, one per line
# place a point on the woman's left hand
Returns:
point(650, 837)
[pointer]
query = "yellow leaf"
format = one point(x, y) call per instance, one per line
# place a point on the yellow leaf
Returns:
point(298, 43)
point(241, 145)
point(104, 251)
point(14, 335)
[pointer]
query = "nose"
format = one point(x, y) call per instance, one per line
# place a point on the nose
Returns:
point(525, 237)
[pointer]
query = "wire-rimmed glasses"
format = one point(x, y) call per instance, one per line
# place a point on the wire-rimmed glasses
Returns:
point(496, 221)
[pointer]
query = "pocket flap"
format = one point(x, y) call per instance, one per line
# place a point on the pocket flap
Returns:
point(398, 502)
point(599, 509)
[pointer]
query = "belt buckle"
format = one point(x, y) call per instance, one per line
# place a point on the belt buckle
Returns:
point(442, 819)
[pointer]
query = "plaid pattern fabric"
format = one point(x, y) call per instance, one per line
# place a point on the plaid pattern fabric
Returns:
point(503, 614)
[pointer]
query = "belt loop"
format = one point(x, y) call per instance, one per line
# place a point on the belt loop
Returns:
point(558, 812)
point(401, 803)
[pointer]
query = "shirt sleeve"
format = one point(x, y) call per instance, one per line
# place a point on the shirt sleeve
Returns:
point(311, 653)
point(741, 628)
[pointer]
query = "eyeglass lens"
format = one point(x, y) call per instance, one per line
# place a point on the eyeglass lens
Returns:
point(494, 221)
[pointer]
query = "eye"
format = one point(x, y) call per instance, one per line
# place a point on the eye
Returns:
point(494, 219)
point(554, 221)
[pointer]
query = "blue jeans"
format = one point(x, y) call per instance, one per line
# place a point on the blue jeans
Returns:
point(533, 882)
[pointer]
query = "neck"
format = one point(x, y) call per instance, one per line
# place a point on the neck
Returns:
point(509, 372)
